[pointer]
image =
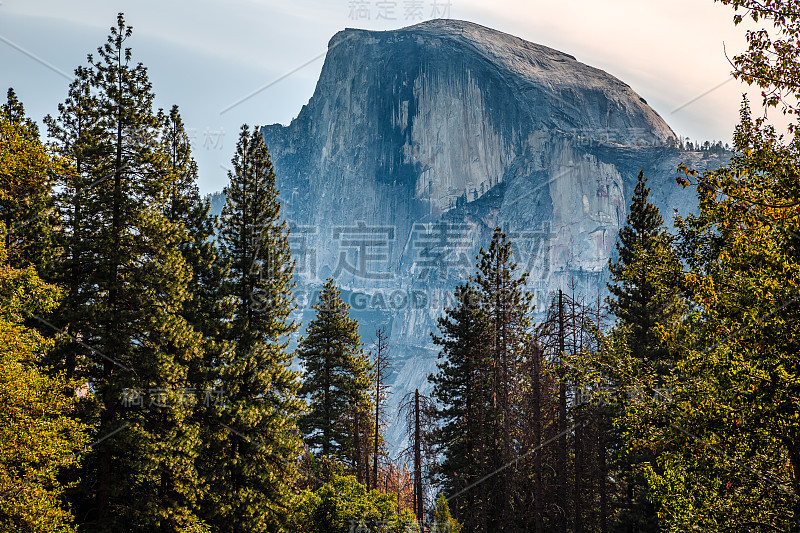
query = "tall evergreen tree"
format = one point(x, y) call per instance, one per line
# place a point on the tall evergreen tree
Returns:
point(336, 383)
point(460, 389)
point(478, 385)
point(644, 280)
point(507, 306)
point(256, 465)
point(441, 519)
point(73, 132)
point(124, 303)
point(208, 309)
point(644, 294)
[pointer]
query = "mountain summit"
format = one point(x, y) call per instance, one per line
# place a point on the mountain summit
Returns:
point(551, 88)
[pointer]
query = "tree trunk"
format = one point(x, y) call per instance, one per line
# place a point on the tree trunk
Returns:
point(417, 461)
point(603, 484)
point(357, 444)
point(538, 504)
point(578, 487)
point(561, 475)
point(377, 429)
point(577, 347)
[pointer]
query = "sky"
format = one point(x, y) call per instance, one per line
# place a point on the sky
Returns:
point(227, 63)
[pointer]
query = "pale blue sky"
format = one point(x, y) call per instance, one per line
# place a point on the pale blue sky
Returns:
point(205, 55)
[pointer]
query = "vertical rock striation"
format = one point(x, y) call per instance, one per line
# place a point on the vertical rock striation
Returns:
point(418, 142)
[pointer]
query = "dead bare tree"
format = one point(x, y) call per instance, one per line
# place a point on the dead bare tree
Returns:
point(382, 367)
point(418, 411)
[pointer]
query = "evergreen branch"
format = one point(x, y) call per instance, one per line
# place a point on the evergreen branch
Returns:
point(30, 480)
point(71, 337)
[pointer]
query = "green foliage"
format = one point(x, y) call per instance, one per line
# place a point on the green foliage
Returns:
point(644, 297)
point(254, 240)
point(632, 359)
point(28, 171)
point(461, 393)
point(207, 308)
point(478, 387)
point(126, 282)
point(441, 520)
point(343, 505)
point(406, 522)
point(38, 434)
point(252, 466)
point(337, 378)
point(644, 287)
point(772, 59)
point(726, 439)
point(728, 456)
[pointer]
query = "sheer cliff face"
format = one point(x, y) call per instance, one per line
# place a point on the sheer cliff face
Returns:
point(405, 125)
point(418, 142)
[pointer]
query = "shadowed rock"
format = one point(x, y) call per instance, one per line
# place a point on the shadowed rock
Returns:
point(418, 142)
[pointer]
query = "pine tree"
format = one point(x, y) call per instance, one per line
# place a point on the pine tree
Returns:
point(644, 294)
point(256, 458)
point(507, 306)
point(644, 279)
point(460, 389)
point(126, 283)
point(484, 339)
point(336, 382)
point(441, 519)
point(73, 134)
point(207, 308)
point(738, 374)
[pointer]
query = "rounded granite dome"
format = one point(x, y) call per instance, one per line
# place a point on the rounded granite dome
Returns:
point(542, 87)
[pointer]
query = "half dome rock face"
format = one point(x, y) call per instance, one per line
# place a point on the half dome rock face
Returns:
point(442, 109)
point(418, 142)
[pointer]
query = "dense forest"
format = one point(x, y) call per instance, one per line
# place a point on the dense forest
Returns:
point(147, 379)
